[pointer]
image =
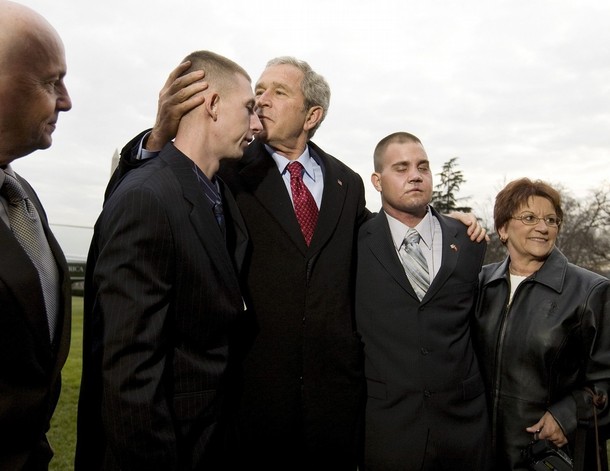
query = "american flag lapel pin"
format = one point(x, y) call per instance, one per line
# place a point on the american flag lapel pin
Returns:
point(453, 247)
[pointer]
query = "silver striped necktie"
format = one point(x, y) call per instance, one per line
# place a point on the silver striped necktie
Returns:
point(414, 263)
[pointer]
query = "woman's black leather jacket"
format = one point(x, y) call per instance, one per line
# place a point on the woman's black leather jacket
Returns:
point(550, 343)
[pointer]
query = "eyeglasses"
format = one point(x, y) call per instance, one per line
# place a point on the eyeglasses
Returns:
point(531, 220)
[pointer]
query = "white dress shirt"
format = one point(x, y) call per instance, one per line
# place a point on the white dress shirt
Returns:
point(430, 243)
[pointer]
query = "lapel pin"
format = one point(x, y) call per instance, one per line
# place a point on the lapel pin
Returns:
point(453, 247)
point(339, 182)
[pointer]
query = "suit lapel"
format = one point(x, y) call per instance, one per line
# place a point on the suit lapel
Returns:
point(63, 330)
point(200, 215)
point(31, 301)
point(450, 256)
point(379, 242)
point(333, 198)
point(17, 273)
point(238, 243)
point(381, 245)
point(264, 182)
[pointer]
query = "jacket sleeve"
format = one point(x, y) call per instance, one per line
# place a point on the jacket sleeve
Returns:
point(363, 213)
point(127, 162)
point(595, 333)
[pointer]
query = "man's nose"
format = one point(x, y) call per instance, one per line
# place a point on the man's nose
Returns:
point(415, 176)
point(262, 99)
point(255, 124)
point(64, 102)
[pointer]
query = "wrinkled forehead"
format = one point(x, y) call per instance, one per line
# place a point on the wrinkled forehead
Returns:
point(285, 75)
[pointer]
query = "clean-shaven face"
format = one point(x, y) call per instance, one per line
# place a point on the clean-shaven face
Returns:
point(240, 122)
point(33, 93)
point(405, 179)
point(281, 105)
point(529, 243)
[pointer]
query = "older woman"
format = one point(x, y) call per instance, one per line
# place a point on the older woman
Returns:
point(541, 327)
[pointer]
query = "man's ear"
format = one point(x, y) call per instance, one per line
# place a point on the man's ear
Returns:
point(212, 104)
point(313, 117)
point(376, 181)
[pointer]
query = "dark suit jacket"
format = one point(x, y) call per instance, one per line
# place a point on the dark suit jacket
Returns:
point(29, 365)
point(303, 389)
point(303, 376)
point(162, 303)
point(425, 407)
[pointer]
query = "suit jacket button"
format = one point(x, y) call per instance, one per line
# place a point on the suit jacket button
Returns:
point(427, 393)
point(424, 351)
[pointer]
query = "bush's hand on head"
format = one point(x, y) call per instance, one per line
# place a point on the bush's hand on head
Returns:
point(179, 95)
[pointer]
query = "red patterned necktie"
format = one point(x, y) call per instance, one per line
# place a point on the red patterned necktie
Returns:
point(305, 206)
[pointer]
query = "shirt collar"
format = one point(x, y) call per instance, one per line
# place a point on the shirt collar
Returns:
point(399, 230)
point(210, 187)
point(9, 171)
point(305, 159)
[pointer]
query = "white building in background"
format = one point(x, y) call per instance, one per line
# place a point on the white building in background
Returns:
point(115, 161)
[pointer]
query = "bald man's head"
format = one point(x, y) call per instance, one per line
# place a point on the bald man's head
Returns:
point(21, 28)
point(32, 89)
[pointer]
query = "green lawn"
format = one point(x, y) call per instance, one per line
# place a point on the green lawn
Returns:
point(63, 426)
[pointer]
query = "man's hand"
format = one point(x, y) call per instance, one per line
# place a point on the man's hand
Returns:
point(178, 96)
point(475, 230)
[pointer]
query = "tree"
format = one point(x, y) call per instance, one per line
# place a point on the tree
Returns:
point(584, 236)
point(444, 197)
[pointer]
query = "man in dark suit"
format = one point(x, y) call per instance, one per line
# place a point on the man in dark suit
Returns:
point(303, 383)
point(303, 391)
point(303, 387)
point(162, 299)
point(34, 281)
point(414, 299)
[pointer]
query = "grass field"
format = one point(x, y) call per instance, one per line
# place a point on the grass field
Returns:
point(63, 426)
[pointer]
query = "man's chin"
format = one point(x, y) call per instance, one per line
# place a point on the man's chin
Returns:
point(45, 143)
point(235, 156)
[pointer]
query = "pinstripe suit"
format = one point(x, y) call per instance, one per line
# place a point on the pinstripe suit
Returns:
point(29, 365)
point(162, 301)
point(303, 384)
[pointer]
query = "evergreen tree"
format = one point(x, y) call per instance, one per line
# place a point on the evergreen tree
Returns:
point(444, 197)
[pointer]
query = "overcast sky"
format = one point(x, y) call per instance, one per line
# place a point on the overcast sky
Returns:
point(511, 87)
